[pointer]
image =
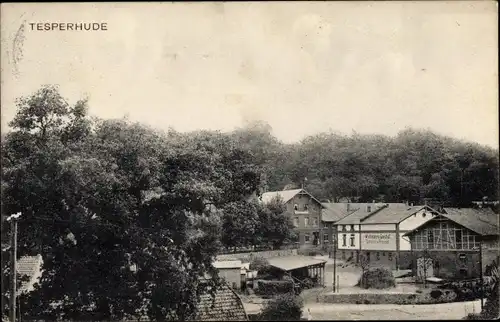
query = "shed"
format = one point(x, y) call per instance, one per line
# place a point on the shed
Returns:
point(300, 267)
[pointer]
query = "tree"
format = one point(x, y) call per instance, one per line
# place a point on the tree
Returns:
point(143, 210)
point(274, 225)
point(285, 307)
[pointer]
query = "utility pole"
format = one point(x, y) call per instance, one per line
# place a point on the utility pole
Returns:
point(13, 265)
point(335, 237)
point(481, 271)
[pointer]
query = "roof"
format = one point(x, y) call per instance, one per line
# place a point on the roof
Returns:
point(286, 195)
point(289, 263)
point(361, 212)
point(228, 264)
point(226, 306)
point(481, 221)
point(393, 214)
point(333, 212)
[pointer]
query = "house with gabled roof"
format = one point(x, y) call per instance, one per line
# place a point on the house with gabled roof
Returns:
point(458, 243)
point(375, 231)
point(304, 210)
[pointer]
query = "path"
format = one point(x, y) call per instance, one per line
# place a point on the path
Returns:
point(448, 311)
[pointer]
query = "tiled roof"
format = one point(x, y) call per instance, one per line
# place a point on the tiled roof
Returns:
point(482, 221)
point(362, 212)
point(393, 214)
point(226, 306)
point(333, 212)
point(286, 195)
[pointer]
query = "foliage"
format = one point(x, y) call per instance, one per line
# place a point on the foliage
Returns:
point(126, 219)
point(412, 166)
point(274, 226)
point(285, 307)
point(377, 278)
point(491, 307)
point(274, 287)
point(259, 264)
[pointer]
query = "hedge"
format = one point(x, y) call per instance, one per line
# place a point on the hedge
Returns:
point(378, 278)
point(271, 288)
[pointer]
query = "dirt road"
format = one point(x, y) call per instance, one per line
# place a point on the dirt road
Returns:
point(448, 311)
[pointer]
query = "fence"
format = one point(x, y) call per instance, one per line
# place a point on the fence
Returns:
point(247, 257)
point(256, 248)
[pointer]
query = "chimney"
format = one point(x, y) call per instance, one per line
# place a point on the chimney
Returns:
point(348, 206)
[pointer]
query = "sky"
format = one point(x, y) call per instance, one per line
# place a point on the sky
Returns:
point(302, 67)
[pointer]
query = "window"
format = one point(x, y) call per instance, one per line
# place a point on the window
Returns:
point(306, 207)
point(296, 221)
point(307, 238)
point(296, 207)
point(423, 215)
point(326, 238)
point(352, 240)
point(315, 222)
point(378, 256)
point(343, 254)
point(344, 240)
point(352, 227)
point(390, 256)
point(383, 253)
point(369, 208)
point(368, 256)
point(343, 228)
point(306, 221)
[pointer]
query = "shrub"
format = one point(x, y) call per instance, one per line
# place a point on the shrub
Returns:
point(259, 264)
point(271, 288)
point(378, 278)
point(435, 294)
point(285, 307)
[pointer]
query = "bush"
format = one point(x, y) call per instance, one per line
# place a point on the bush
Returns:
point(286, 307)
point(259, 264)
point(271, 288)
point(378, 278)
point(435, 294)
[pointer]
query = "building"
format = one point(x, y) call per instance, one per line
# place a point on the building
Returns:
point(375, 231)
point(456, 244)
point(305, 212)
point(330, 214)
point(233, 272)
point(225, 306)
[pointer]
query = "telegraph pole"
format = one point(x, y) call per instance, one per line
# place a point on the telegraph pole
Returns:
point(13, 265)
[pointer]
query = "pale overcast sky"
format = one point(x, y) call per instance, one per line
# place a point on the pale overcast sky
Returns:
point(371, 67)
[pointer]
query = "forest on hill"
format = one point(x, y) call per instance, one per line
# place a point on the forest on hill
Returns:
point(414, 166)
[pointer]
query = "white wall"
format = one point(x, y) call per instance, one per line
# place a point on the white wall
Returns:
point(378, 241)
point(348, 241)
point(390, 227)
point(411, 223)
point(415, 220)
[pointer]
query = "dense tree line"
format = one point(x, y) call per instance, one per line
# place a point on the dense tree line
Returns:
point(414, 166)
point(126, 218)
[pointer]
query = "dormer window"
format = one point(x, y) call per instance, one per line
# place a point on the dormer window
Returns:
point(296, 207)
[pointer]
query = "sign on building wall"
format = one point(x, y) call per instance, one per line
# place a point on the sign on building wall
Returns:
point(378, 241)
